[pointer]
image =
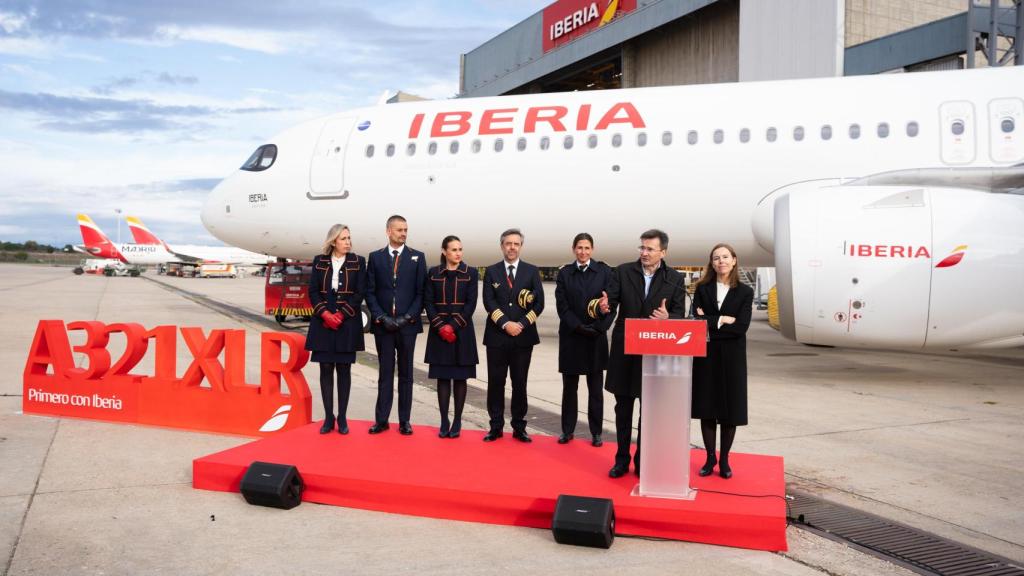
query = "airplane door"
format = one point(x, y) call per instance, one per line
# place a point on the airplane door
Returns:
point(1004, 127)
point(958, 128)
point(327, 167)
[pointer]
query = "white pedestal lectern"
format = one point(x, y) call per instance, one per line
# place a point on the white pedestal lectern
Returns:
point(668, 348)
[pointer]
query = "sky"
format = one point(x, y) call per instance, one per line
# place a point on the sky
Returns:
point(143, 106)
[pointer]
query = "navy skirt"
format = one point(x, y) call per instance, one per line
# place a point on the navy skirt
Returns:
point(334, 357)
point(451, 372)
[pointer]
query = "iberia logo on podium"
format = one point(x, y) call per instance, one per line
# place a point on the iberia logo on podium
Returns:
point(211, 395)
point(666, 337)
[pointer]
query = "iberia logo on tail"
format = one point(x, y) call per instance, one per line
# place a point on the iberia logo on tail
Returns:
point(142, 235)
point(96, 242)
point(954, 258)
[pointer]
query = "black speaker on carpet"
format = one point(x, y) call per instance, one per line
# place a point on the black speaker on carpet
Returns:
point(274, 485)
point(583, 521)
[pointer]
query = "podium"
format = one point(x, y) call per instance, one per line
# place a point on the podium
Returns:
point(668, 348)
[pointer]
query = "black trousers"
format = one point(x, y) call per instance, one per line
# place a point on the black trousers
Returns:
point(624, 430)
point(389, 346)
point(515, 362)
point(595, 402)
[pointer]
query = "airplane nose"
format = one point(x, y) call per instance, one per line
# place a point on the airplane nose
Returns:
point(216, 208)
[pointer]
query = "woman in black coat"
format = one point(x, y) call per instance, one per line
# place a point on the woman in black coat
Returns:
point(582, 336)
point(336, 289)
point(449, 297)
point(720, 378)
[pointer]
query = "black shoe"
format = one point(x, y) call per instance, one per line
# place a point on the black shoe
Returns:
point(522, 436)
point(378, 428)
point(493, 435)
point(342, 427)
point(327, 426)
point(564, 438)
point(618, 471)
point(456, 429)
point(636, 470)
point(405, 429)
point(596, 441)
point(724, 470)
point(443, 430)
point(708, 469)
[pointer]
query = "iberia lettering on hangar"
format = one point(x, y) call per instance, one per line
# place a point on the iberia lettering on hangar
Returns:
point(505, 120)
point(568, 19)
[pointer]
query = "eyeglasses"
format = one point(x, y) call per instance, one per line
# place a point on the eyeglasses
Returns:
point(646, 250)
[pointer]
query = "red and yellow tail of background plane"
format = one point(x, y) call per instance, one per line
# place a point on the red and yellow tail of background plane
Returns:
point(142, 235)
point(96, 242)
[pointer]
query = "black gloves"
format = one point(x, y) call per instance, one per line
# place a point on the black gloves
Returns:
point(407, 319)
point(588, 330)
point(388, 323)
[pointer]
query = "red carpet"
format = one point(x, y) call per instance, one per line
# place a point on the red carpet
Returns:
point(507, 482)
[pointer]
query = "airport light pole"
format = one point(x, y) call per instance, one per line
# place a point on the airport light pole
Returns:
point(118, 212)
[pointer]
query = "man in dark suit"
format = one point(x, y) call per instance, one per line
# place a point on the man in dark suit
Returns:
point(647, 288)
point(395, 277)
point(513, 298)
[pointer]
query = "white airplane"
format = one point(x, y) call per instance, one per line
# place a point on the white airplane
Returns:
point(890, 205)
point(194, 253)
point(97, 244)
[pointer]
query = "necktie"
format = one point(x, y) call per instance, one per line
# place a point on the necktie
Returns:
point(394, 260)
point(394, 278)
point(511, 275)
point(583, 268)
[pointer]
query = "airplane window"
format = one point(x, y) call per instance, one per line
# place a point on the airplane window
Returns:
point(666, 138)
point(912, 129)
point(432, 148)
point(261, 159)
point(453, 148)
point(854, 131)
point(476, 146)
point(883, 130)
point(499, 144)
point(390, 151)
point(1006, 125)
point(567, 143)
point(826, 132)
point(958, 127)
point(798, 133)
point(745, 135)
point(641, 139)
point(521, 144)
point(592, 141)
point(771, 134)
point(616, 140)
point(410, 149)
point(369, 151)
point(545, 143)
point(691, 137)
point(719, 136)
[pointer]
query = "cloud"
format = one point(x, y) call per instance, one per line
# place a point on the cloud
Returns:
point(93, 114)
point(174, 79)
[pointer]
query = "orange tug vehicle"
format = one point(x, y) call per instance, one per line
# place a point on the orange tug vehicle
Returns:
point(286, 290)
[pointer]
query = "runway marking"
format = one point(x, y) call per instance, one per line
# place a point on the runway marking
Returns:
point(887, 427)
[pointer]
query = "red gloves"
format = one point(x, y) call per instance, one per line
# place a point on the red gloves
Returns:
point(447, 333)
point(332, 321)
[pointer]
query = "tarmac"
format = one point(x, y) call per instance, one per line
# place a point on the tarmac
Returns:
point(930, 440)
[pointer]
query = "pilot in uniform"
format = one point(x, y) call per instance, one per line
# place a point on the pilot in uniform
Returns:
point(513, 298)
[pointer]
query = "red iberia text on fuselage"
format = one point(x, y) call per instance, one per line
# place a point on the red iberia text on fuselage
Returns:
point(886, 251)
point(499, 121)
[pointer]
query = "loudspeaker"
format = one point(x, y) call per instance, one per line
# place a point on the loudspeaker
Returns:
point(583, 521)
point(274, 485)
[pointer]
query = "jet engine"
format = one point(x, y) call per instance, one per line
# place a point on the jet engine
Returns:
point(897, 265)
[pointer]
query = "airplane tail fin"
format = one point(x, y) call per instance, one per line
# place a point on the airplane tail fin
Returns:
point(142, 235)
point(96, 242)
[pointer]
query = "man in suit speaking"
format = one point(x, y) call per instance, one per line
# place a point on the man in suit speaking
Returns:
point(394, 294)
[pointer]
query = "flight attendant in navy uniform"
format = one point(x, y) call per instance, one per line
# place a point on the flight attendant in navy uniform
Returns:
point(513, 298)
point(449, 297)
point(336, 288)
point(394, 294)
point(720, 377)
point(582, 336)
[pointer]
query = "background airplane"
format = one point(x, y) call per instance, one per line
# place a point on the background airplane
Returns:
point(194, 253)
point(882, 201)
point(96, 243)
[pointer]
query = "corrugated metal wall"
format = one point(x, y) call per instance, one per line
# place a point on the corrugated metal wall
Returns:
point(782, 39)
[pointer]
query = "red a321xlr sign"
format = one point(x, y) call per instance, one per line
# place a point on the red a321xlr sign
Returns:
point(108, 389)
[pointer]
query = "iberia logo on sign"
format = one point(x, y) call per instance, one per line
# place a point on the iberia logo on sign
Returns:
point(666, 337)
point(568, 19)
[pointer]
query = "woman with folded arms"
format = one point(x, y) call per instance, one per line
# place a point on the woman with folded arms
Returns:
point(720, 378)
point(449, 297)
point(336, 289)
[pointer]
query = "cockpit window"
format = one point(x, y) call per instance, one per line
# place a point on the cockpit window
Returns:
point(261, 159)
